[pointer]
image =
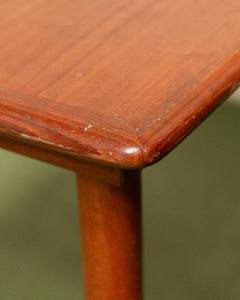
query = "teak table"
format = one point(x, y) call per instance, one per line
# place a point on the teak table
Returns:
point(106, 88)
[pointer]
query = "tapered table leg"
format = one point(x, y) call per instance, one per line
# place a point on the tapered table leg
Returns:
point(110, 218)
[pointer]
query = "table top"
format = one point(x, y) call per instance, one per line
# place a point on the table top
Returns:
point(119, 82)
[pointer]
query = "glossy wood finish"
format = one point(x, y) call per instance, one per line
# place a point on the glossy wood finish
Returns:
point(119, 82)
point(99, 172)
point(111, 238)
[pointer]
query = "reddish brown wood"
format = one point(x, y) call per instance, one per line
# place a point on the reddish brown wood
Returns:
point(111, 238)
point(98, 172)
point(120, 82)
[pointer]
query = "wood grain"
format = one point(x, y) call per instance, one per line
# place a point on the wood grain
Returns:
point(121, 83)
point(110, 219)
point(114, 176)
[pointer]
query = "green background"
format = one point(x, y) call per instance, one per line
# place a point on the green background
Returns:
point(191, 216)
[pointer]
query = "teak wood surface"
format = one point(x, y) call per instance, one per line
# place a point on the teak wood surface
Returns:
point(119, 82)
point(104, 86)
point(110, 219)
